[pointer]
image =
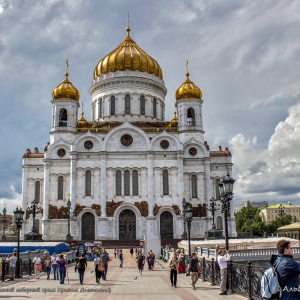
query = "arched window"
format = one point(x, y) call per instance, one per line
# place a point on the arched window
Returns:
point(219, 223)
point(126, 183)
point(63, 117)
point(142, 105)
point(127, 104)
point(135, 183)
point(99, 108)
point(194, 186)
point(112, 105)
point(217, 182)
point(60, 188)
point(190, 117)
point(118, 184)
point(88, 183)
point(37, 191)
point(154, 108)
point(165, 182)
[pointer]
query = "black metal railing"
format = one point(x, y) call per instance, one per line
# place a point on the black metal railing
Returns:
point(243, 279)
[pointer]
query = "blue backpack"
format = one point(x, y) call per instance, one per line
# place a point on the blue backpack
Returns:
point(270, 287)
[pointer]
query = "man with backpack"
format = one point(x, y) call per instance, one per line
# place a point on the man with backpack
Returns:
point(288, 271)
point(105, 259)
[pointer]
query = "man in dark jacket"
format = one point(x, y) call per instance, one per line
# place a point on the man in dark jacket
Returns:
point(105, 259)
point(288, 271)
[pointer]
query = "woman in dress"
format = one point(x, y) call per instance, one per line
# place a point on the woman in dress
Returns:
point(98, 262)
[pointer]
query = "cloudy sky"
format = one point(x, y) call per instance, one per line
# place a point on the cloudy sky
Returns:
point(244, 55)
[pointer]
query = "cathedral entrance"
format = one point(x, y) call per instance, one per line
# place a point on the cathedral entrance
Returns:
point(127, 225)
point(88, 227)
point(166, 225)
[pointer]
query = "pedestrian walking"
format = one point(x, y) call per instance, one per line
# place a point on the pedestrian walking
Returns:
point(47, 264)
point(105, 259)
point(193, 269)
point(37, 265)
point(181, 264)
point(173, 270)
point(288, 271)
point(151, 260)
point(131, 252)
point(55, 268)
point(223, 258)
point(62, 265)
point(99, 267)
point(121, 258)
point(140, 261)
point(81, 266)
point(12, 266)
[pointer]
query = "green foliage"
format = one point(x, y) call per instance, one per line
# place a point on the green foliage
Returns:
point(275, 224)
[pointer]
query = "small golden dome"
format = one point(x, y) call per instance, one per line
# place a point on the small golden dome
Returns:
point(188, 90)
point(174, 121)
point(66, 90)
point(82, 120)
point(128, 56)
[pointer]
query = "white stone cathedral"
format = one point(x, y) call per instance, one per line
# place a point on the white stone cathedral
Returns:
point(127, 170)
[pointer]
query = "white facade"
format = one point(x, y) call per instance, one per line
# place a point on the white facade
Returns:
point(119, 163)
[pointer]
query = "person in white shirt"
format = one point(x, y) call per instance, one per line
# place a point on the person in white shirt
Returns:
point(12, 266)
point(223, 258)
point(36, 261)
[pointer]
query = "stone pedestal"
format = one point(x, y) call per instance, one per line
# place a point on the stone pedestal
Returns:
point(33, 237)
point(214, 234)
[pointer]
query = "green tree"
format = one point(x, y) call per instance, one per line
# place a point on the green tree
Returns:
point(272, 227)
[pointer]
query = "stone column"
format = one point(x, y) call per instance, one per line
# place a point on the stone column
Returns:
point(45, 225)
point(180, 183)
point(103, 157)
point(207, 185)
point(73, 177)
point(150, 183)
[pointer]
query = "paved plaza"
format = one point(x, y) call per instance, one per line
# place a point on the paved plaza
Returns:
point(122, 284)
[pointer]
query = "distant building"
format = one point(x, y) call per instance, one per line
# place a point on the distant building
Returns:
point(275, 211)
point(291, 231)
point(258, 204)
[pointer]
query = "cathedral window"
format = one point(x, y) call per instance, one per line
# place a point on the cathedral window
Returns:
point(127, 104)
point(60, 188)
point(63, 117)
point(37, 191)
point(126, 183)
point(194, 186)
point(112, 105)
point(99, 108)
point(217, 182)
point(118, 184)
point(142, 105)
point(135, 183)
point(154, 108)
point(190, 117)
point(165, 182)
point(88, 183)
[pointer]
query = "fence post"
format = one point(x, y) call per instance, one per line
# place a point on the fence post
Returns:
point(212, 271)
point(203, 269)
point(229, 277)
point(3, 270)
point(249, 280)
point(30, 266)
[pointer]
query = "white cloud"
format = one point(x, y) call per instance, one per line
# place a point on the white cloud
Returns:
point(14, 200)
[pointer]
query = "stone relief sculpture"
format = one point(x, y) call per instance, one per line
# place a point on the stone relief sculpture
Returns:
point(78, 209)
point(97, 208)
point(156, 209)
point(176, 209)
point(200, 210)
point(58, 213)
point(143, 207)
point(111, 206)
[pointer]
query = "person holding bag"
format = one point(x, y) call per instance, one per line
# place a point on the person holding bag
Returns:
point(99, 267)
point(81, 266)
point(37, 265)
point(62, 265)
point(173, 270)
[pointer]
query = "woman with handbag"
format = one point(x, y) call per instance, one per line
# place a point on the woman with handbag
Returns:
point(37, 265)
point(173, 270)
point(99, 267)
point(81, 266)
point(62, 265)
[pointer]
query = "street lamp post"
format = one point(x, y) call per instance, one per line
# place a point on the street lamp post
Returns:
point(184, 235)
point(281, 212)
point(69, 237)
point(4, 224)
point(18, 216)
point(250, 216)
point(226, 193)
point(213, 208)
point(188, 215)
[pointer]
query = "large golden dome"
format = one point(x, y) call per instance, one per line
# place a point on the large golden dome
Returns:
point(128, 56)
point(188, 90)
point(66, 90)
